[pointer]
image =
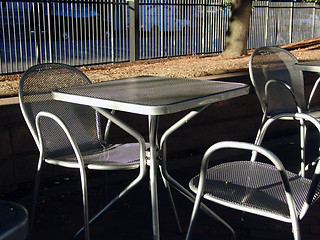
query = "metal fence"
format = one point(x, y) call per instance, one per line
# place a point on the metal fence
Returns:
point(95, 32)
point(278, 23)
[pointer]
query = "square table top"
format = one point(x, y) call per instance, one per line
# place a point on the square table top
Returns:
point(151, 95)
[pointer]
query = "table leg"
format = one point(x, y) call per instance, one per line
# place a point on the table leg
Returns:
point(153, 175)
point(163, 148)
point(172, 181)
point(314, 88)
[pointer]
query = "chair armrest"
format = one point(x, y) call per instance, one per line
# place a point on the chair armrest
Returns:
point(288, 87)
point(314, 88)
point(64, 127)
point(124, 126)
point(293, 116)
point(107, 129)
point(241, 145)
point(251, 147)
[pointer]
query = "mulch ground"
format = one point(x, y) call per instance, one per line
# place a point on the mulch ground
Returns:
point(184, 66)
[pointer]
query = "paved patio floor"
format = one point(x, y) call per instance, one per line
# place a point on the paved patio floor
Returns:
point(59, 212)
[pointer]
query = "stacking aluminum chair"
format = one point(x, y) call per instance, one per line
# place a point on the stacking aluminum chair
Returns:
point(280, 88)
point(260, 186)
point(13, 221)
point(70, 135)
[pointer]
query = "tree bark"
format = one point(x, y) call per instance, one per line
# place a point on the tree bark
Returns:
point(238, 30)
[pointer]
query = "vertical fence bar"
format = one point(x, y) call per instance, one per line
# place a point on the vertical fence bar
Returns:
point(291, 21)
point(313, 19)
point(19, 36)
point(266, 25)
point(134, 29)
point(94, 32)
point(3, 58)
point(112, 45)
point(204, 20)
point(14, 38)
point(9, 38)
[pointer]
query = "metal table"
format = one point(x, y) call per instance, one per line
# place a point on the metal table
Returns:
point(154, 96)
point(310, 66)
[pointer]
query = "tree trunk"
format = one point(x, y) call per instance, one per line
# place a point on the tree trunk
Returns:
point(238, 30)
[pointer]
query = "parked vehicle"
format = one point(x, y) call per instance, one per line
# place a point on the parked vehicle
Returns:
point(68, 21)
point(166, 18)
point(309, 20)
point(14, 19)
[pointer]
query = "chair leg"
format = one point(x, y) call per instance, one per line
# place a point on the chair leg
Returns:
point(105, 190)
point(118, 197)
point(193, 217)
point(84, 198)
point(35, 197)
point(303, 133)
point(198, 204)
point(258, 140)
point(242, 226)
point(173, 207)
point(84, 188)
point(203, 207)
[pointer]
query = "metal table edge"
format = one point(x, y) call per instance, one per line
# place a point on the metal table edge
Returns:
point(148, 110)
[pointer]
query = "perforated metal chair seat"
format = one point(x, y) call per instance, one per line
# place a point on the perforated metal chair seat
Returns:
point(280, 90)
point(315, 113)
point(115, 157)
point(13, 221)
point(239, 185)
point(71, 135)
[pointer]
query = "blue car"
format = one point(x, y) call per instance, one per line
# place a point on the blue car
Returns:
point(64, 21)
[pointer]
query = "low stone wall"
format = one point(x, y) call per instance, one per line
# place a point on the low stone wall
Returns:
point(234, 119)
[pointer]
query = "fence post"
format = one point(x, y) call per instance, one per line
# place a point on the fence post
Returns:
point(266, 27)
point(291, 22)
point(204, 35)
point(313, 19)
point(134, 29)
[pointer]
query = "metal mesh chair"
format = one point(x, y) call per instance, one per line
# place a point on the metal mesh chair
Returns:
point(13, 221)
point(280, 88)
point(260, 186)
point(70, 135)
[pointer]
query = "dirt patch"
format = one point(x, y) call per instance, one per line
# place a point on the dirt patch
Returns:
point(184, 67)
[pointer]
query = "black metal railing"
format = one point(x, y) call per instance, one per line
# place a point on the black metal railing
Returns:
point(86, 32)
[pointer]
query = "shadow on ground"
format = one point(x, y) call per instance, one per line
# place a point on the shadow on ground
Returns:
point(59, 211)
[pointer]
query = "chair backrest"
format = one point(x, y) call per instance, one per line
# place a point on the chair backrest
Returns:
point(83, 122)
point(274, 63)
